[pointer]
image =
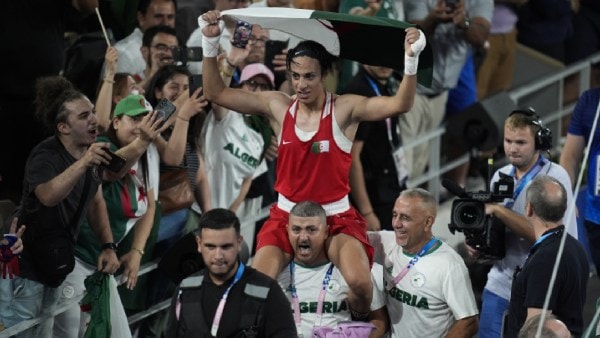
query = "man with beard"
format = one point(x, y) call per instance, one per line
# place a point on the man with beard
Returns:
point(227, 298)
point(62, 186)
point(157, 49)
point(310, 269)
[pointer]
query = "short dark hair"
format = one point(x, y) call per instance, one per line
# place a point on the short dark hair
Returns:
point(218, 219)
point(308, 209)
point(144, 4)
point(51, 95)
point(151, 32)
point(314, 50)
point(546, 205)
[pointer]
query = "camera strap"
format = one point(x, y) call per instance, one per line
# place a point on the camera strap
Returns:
point(413, 261)
point(522, 183)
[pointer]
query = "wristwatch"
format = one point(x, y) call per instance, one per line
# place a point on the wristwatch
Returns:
point(110, 245)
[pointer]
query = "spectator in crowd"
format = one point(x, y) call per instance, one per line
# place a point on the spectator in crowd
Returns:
point(546, 205)
point(545, 26)
point(227, 298)
point(496, 71)
point(62, 186)
point(525, 138)
point(376, 178)
point(310, 269)
point(131, 203)
point(428, 287)
point(453, 30)
point(182, 131)
point(150, 13)
point(316, 141)
point(157, 49)
point(571, 157)
point(29, 31)
point(233, 152)
point(552, 327)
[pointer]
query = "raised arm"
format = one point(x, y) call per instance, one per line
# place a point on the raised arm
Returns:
point(105, 95)
point(264, 103)
point(379, 107)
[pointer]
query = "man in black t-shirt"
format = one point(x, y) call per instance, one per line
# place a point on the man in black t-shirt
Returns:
point(546, 205)
point(374, 178)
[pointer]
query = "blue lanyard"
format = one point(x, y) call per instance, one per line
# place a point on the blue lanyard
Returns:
point(544, 236)
point(414, 261)
point(296, 300)
point(221, 307)
point(388, 121)
point(537, 167)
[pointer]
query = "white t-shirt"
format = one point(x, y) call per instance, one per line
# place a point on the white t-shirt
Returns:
point(309, 281)
point(434, 294)
point(130, 56)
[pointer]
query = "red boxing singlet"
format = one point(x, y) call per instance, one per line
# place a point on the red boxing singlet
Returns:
point(316, 169)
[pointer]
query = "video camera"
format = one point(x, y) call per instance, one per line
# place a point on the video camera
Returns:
point(483, 232)
point(182, 55)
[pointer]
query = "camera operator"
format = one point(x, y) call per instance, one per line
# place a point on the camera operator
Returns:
point(525, 138)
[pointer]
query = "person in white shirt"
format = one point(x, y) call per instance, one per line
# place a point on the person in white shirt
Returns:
point(428, 289)
point(311, 277)
point(149, 13)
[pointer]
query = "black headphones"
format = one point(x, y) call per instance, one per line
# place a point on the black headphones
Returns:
point(543, 136)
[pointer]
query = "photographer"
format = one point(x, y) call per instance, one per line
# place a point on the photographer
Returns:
point(525, 138)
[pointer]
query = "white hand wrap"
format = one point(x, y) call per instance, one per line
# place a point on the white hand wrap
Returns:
point(210, 46)
point(411, 63)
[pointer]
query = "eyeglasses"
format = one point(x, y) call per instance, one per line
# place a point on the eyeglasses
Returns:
point(257, 41)
point(164, 48)
point(253, 85)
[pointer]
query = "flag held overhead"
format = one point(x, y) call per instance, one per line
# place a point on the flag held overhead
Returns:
point(369, 40)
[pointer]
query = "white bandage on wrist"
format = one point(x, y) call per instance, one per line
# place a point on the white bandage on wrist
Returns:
point(210, 45)
point(411, 63)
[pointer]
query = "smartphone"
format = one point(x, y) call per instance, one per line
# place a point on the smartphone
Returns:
point(183, 54)
point(272, 48)
point(195, 81)
point(164, 109)
point(116, 162)
point(241, 34)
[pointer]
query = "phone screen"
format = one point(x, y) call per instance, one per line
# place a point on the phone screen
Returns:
point(241, 35)
point(165, 109)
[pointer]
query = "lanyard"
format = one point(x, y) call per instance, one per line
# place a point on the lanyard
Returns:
point(296, 301)
point(537, 167)
point(543, 237)
point(219, 313)
point(388, 121)
point(414, 261)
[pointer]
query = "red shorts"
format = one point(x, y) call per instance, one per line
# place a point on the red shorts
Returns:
point(350, 222)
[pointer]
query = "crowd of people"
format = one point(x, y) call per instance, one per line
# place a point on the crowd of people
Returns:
point(347, 245)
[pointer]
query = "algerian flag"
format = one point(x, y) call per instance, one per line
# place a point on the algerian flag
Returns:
point(370, 40)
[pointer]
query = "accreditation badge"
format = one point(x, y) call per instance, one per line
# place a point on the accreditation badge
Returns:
point(402, 166)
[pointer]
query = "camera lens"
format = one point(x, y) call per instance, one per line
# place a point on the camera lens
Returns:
point(468, 214)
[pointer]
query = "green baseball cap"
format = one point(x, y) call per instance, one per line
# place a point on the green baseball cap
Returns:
point(133, 105)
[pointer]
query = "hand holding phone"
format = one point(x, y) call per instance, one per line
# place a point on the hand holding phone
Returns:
point(241, 34)
point(116, 162)
point(164, 110)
